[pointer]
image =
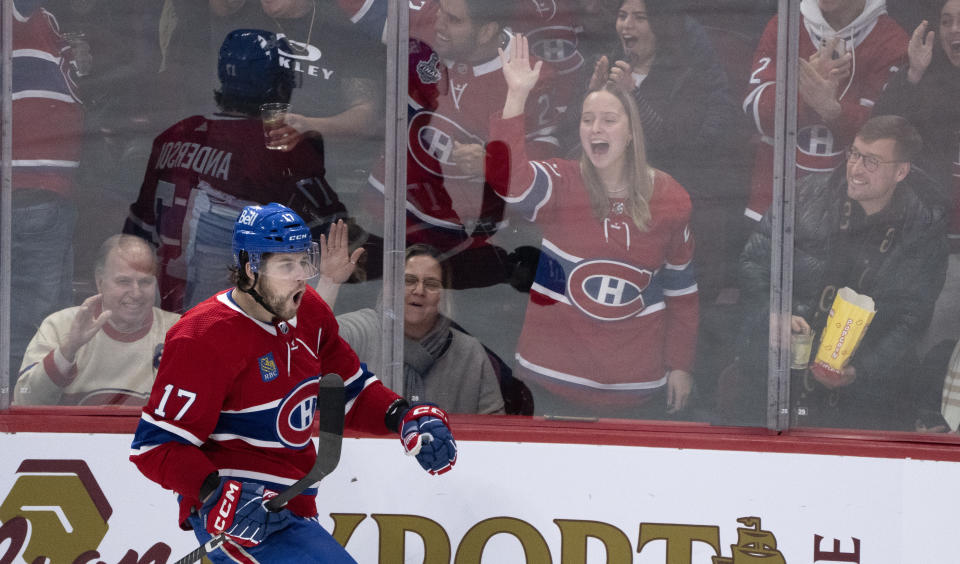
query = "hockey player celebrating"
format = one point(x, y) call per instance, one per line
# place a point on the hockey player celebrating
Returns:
point(611, 325)
point(237, 372)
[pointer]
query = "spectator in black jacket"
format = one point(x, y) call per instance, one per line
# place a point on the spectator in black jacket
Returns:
point(877, 226)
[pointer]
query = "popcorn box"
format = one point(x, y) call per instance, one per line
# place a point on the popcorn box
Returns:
point(850, 315)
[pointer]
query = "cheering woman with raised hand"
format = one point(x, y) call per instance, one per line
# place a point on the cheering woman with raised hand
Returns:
point(611, 326)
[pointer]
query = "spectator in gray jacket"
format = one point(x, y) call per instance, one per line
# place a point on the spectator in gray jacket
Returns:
point(441, 364)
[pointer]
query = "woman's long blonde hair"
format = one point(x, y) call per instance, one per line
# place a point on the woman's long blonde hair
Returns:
point(638, 175)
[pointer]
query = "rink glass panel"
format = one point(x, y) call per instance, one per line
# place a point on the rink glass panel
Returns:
point(154, 64)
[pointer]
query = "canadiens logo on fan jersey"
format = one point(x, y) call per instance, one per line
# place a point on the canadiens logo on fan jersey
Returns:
point(546, 9)
point(819, 150)
point(431, 138)
point(557, 50)
point(816, 140)
point(268, 367)
point(608, 290)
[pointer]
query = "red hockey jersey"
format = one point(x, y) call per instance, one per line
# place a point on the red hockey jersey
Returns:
point(449, 103)
point(878, 45)
point(612, 308)
point(47, 115)
point(237, 396)
point(220, 160)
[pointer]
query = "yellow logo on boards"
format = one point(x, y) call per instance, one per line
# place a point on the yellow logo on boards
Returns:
point(65, 506)
point(56, 512)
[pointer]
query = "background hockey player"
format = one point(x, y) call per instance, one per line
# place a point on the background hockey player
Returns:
point(234, 369)
point(205, 169)
point(337, 96)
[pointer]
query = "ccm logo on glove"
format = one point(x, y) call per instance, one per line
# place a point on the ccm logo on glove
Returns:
point(237, 510)
point(226, 507)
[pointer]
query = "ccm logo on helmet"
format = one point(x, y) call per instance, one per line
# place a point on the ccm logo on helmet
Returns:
point(298, 237)
point(227, 501)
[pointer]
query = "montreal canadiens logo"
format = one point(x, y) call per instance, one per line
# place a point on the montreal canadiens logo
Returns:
point(295, 415)
point(608, 290)
point(546, 9)
point(431, 143)
point(557, 45)
point(818, 141)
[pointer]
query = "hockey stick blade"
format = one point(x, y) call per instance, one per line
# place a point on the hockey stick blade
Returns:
point(331, 402)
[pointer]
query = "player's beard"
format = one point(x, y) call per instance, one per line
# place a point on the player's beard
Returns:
point(284, 305)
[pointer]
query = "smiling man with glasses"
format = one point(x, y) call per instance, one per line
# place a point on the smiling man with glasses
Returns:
point(877, 226)
point(874, 168)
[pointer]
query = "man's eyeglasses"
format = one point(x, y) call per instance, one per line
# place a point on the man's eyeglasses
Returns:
point(431, 285)
point(870, 163)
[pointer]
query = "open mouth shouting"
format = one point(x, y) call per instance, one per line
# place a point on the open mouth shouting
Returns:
point(599, 148)
point(629, 42)
point(951, 46)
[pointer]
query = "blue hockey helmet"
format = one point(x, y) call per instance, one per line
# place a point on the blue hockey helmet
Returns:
point(249, 66)
point(273, 228)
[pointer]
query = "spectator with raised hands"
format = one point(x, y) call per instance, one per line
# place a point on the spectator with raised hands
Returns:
point(848, 50)
point(441, 363)
point(611, 325)
point(926, 92)
point(105, 351)
point(691, 126)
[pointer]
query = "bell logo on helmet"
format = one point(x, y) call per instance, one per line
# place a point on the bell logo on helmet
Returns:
point(247, 217)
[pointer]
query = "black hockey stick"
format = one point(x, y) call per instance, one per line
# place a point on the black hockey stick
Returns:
point(329, 414)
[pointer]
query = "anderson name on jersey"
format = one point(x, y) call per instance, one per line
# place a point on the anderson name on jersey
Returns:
point(220, 161)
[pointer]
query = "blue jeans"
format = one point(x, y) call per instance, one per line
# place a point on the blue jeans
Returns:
point(303, 541)
point(208, 266)
point(41, 265)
